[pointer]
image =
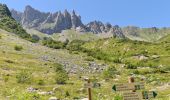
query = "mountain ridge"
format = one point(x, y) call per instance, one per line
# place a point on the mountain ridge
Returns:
point(50, 23)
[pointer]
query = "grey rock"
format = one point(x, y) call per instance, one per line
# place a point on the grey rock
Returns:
point(117, 32)
point(31, 89)
point(96, 27)
point(76, 20)
point(16, 15)
point(32, 18)
point(53, 98)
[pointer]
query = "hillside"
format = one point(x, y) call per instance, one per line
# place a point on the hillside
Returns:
point(145, 34)
point(39, 64)
point(165, 39)
point(9, 24)
point(127, 51)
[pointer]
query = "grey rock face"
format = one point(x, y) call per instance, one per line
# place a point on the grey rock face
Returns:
point(117, 32)
point(32, 18)
point(16, 15)
point(96, 27)
point(99, 27)
point(47, 22)
point(76, 20)
point(68, 21)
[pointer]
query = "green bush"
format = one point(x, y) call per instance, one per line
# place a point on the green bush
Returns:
point(24, 77)
point(6, 78)
point(18, 48)
point(9, 24)
point(118, 97)
point(110, 72)
point(35, 38)
point(75, 45)
point(49, 42)
point(61, 75)
point(89, 58)
point(41, 82)
point(130, 66)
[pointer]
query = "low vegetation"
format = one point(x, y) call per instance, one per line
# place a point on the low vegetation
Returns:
point(49, 42)
point(24, 77)
point(61, 75)
point(18, 47)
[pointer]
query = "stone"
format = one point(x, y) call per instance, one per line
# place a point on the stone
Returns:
point(53, 98)
point(31, 89)
point(85, 99)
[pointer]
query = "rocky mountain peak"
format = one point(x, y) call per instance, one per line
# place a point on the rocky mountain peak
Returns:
point(73, 13)
point(117, 32)
point(28, 7)
point(50, 23)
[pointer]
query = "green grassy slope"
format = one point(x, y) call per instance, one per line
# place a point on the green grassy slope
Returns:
point(70, 35)
point(146, 34)
point(150, 60)
point(32, 59)
point(127, 51)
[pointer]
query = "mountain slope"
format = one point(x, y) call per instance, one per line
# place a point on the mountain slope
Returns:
point(38, 61)
point(145, 34)
point(9, 24)
point(127, 51)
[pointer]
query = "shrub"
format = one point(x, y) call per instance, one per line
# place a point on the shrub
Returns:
point(9, 24)
point(75, 45)
point(35, 38)
point(9, 61)
point(67, 94)
point(118, 97)
point(89, 58)
point(6, 78)
point(61, 75)
point(49, 42)
point(18, 48)
point(110, 72)
point(130, 66)
point(41, 82)
point(24, 77)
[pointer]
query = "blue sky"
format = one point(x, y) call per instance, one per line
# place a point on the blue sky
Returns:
point(143, 13)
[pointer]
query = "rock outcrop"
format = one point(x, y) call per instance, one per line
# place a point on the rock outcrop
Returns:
point(99, 27)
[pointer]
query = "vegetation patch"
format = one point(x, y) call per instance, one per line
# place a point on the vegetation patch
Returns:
point(18, 47)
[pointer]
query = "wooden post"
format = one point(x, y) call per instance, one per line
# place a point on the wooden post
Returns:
point(89, 90)
point(132, 80)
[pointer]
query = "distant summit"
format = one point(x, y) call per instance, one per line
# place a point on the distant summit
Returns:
point(47, 22)
point(50, 23)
